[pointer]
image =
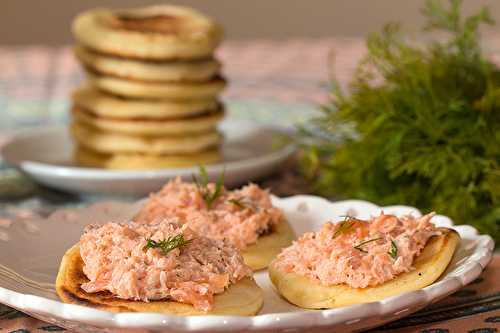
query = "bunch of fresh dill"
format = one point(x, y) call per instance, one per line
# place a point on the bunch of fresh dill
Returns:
point(420, 124)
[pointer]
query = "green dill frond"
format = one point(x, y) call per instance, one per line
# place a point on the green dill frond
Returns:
point(359, 246)
point(202, 182)
point(166, 245)
point(419, 125)
point(393, 252)
point(242, 203)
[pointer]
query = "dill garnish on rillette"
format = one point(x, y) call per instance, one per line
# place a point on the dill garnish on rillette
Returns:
point(344, 226)
point(359, 247)
point(167, 245)
point(208, 195)
point(394, 250)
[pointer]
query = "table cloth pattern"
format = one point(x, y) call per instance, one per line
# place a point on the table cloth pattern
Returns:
point(270, 81)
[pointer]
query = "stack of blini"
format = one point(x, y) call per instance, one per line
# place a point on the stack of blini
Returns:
point(151, 96)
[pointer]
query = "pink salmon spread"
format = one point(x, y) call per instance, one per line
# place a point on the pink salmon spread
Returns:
point(358, 253)
point(117, 260)
point(239, 216)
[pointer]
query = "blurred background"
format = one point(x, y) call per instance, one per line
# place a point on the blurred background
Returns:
point(48, 22)
point(278, 55)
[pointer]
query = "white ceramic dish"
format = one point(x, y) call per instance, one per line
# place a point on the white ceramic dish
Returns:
point(250, 152)
point(29, 262)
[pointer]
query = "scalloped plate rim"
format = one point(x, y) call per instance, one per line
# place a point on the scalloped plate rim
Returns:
point(283, 320)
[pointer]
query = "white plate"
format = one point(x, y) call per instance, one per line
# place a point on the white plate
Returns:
point(30, 262)
point(250, 152)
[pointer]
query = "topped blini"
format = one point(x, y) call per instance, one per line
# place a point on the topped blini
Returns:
point(245, 217)
point(358, 261)
point(156, 32)
point(127, 266)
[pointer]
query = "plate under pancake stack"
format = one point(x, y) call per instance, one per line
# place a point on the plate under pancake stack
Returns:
point(151, 99)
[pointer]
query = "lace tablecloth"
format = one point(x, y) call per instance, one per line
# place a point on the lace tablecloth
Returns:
point(272, 82)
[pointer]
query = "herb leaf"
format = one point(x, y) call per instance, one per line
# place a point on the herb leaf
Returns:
point(394, 250)
point(166, 245)
point(358, 247)
point(242, 203)
point(345, 225)
point(208, 195)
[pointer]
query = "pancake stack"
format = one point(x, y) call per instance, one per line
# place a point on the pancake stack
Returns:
point(151, 96)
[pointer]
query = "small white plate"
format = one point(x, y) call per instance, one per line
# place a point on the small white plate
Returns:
point(29, 263)
point(250, 152)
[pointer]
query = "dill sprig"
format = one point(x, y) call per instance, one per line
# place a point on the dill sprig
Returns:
point(394, 250)
point(242, 203)
point(345, 225)
point(237, 202)
point(206, 193)
point(419, 124)
point(359, 246)
point(167, 245)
